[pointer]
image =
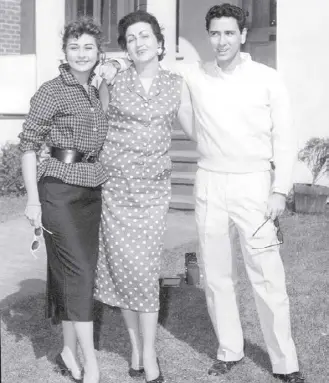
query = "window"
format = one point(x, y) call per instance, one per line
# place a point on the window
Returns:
point(106, 12)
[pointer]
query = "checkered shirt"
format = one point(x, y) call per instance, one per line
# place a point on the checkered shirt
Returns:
point(64, 115)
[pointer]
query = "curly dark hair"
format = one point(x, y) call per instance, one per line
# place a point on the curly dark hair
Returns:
point(140, 17)
point(84, 25)
point(226, 10)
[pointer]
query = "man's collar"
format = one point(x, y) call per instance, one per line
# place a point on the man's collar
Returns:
point(212, 68)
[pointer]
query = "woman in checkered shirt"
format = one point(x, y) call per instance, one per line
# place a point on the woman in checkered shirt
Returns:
point(64, 194)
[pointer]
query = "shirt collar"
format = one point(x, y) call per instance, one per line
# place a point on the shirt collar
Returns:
point(68, 77)
point(135, 85)
point(213, 69)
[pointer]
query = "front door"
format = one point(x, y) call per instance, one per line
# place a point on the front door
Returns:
point(261, 40)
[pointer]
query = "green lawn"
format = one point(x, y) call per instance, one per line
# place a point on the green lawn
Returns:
point(186, 342)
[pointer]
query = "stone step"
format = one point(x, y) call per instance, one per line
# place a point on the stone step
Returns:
point(182, 178)
point(177, 125)
point(179, 135)
point(187, 156)
point(183, 144)
point(184, 167)
point(182, 202)
point(182, 189)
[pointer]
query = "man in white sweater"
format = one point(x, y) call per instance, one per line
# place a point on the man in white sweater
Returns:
point(243, 124)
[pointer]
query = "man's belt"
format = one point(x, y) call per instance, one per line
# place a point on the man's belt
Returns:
point(72, 156)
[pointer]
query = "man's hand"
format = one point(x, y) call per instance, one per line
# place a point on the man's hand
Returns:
point(276, 205)
point(108, 70)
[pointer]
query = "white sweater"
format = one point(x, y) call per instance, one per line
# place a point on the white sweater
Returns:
point(243, 119)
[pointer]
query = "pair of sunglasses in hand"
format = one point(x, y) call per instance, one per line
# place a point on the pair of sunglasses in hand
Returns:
point(278, 231)
point(35, 244)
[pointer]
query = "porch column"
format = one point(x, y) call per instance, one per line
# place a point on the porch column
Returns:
point(165, 12)
point(50, 20)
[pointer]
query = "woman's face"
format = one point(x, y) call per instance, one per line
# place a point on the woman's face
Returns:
point(142, 44)
point(81, 53)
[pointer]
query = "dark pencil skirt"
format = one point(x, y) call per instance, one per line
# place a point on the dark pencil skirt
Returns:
point(72, 214)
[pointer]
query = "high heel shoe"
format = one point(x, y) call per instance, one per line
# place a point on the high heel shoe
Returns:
point(159, 379)
point(64, 370)
point(136, 373)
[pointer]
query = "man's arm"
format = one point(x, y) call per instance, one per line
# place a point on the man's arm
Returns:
point(108, 69)
point(283, 137)
point(284, 144)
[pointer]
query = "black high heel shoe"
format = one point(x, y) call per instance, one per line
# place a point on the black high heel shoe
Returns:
point(160, 378)
point(136, 373)
point(64, 370)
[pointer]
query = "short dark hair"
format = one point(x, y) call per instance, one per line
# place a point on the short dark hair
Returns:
point(84, 25)
point(140, 17)
point(226, 10)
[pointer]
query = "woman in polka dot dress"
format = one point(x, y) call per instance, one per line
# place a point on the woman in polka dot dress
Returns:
point(144, 103)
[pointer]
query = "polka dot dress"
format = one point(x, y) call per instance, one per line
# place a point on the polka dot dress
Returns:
point(136, 197)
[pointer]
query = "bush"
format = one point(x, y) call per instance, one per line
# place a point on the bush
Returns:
point(314, 154)
point(11, 179)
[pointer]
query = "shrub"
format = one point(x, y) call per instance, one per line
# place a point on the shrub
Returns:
point(315, 154)
point(11, 179)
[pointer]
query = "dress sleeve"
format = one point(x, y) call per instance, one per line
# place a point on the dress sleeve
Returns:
point(38, 121)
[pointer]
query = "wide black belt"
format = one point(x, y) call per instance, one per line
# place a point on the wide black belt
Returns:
point(72, 156)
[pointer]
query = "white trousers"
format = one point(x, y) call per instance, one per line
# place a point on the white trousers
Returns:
point(225, 201)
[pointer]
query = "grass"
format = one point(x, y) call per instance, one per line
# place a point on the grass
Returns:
point(11, 207)
point(186, 342)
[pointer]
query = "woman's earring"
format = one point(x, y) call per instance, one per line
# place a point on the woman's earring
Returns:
point(159, 51)
point(128, 56)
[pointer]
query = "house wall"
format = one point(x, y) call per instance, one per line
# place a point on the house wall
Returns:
point(302, 54)
point(18, 83)
point(22, 74)
point(302, 59)
point(10, 27)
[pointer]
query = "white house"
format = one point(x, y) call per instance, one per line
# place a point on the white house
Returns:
point(290, 35)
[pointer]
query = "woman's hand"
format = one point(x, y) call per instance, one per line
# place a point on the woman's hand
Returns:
point(33, 214)
point(43, 154)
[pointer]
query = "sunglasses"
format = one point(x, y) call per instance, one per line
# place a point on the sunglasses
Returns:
point(35, 244)
point(278, 231)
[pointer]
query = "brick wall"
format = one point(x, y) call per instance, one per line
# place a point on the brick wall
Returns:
point(10, 27)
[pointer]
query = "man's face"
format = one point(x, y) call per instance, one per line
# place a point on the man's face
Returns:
point(226, 39)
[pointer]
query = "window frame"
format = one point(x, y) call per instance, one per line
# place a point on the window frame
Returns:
point(109, 29)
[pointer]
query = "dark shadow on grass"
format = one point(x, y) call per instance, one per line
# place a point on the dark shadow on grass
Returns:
point(184, 314)
point(23, 316)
